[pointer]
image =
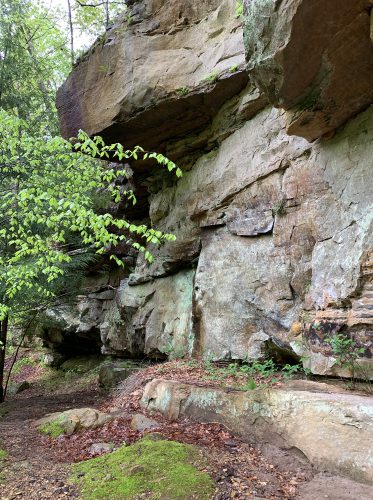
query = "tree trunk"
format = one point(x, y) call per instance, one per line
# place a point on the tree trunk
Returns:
point(3, 338)
point(71, 30)
point(107, 19)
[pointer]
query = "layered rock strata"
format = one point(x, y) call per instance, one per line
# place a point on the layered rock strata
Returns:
point(274, 234)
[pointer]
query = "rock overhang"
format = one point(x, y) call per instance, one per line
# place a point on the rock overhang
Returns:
point(159, 77)
point(312, 58)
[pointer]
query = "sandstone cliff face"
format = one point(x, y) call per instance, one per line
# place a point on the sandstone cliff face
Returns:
point(311, 58)
point(274, 249)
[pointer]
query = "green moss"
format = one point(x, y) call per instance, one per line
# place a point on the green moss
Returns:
point(3, 454)
point(158, 469)
point(52, 429)
point(183, 91)
point(212, 77)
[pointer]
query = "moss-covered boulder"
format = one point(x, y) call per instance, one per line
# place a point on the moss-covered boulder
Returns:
point(158, 469)
point(70, 421)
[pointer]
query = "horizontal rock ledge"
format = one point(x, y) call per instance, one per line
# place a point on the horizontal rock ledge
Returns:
point(331, 427)
point(158, 74)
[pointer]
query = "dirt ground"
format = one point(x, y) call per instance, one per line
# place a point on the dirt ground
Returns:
point(37, 467)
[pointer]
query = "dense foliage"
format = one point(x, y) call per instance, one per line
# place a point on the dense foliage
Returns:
point(54, 194)
point(48, 195)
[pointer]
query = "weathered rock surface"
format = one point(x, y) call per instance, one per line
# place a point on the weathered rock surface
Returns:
point(73, 329)
point(141, 423)
point(159, 76)
point(312, 58)
point(334, 488)
point(274, 234)
point(71, 421)
point(142, 321)
point(100, 448)
point(332, 429)
point(112, 373)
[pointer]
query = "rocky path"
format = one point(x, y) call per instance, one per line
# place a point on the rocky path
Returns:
point(32, 470)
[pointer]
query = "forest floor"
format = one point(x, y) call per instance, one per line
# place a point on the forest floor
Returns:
point(37, 466)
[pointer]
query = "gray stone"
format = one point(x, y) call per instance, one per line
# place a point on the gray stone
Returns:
point(251, 222)
point(142, 321)
point(100, 448)
point(53, 359)
point(331, 427)
point(71, 421)
point(22, 386)
point(111, 374)
point(141, 423)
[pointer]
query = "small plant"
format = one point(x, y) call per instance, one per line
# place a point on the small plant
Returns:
point(239, 8)
point(129, 19)
point(249, 385)
point(3, 454)
point(264, 369)
point(174, 352)
point(279, 208)
point(191, 363)
point(104, 68)
point(183, 91)
point(233, 68)
point(346, 351)
point(305, 359)
point(212, 77)
point(289, 371)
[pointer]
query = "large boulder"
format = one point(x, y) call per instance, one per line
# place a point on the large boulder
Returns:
point(312, 58)
point(332, 428)
point(70, 421)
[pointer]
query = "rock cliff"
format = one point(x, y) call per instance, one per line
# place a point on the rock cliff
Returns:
point(274, 249)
